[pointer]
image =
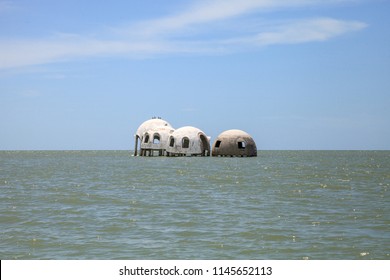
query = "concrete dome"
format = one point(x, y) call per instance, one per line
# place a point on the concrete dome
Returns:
point(188, 141)
point(156, 138)
point(151, 124)
point(234, 143)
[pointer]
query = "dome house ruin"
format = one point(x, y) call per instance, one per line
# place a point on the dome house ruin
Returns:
point(234, 143)
point(188, 141)
point(153, 136)
point(156, 137)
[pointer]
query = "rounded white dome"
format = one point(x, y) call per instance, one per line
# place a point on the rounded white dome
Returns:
point(151, 124)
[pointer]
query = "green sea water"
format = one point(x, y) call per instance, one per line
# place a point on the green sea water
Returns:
point(111, 205)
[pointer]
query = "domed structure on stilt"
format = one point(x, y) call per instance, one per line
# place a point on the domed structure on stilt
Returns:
point(188, 141)
point(152, 135)
point(234, 143)
point(156, 137)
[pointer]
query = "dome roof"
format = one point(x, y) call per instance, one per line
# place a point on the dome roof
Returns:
point(187, 131)
point(189, 140)
point(161, 130)
point(234, 142)
point(150, 125)
point(232, 133)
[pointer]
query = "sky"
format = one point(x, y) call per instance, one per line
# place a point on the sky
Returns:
point(294, 74)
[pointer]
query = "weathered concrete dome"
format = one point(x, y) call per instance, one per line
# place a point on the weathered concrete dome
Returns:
point(150, 127)
point(156, 139)
point(151, 124)
point(234, 143)
point(188, 141)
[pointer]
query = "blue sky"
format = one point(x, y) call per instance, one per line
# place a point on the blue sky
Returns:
point(295, 74)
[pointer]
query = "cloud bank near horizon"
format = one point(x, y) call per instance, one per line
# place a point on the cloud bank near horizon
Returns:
point(183, 33)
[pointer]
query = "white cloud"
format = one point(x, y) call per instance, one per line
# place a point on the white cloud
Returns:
point(31, 52)
point(209, 11)
point(169, 35)
point(300, 31)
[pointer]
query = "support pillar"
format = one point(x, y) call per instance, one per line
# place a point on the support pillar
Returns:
point(136, 146)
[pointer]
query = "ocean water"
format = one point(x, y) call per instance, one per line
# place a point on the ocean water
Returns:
point(111, 205)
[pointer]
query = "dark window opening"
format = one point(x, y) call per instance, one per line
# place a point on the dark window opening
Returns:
point(172, 142)
point(156, 139)
point(186, 143)
point(146, 138)
point(217, 144)
point(241, 145)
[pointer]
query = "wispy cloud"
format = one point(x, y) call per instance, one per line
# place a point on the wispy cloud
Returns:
point(18, 53)
point(300, 31)
point(204, 12)
point(180, 33)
